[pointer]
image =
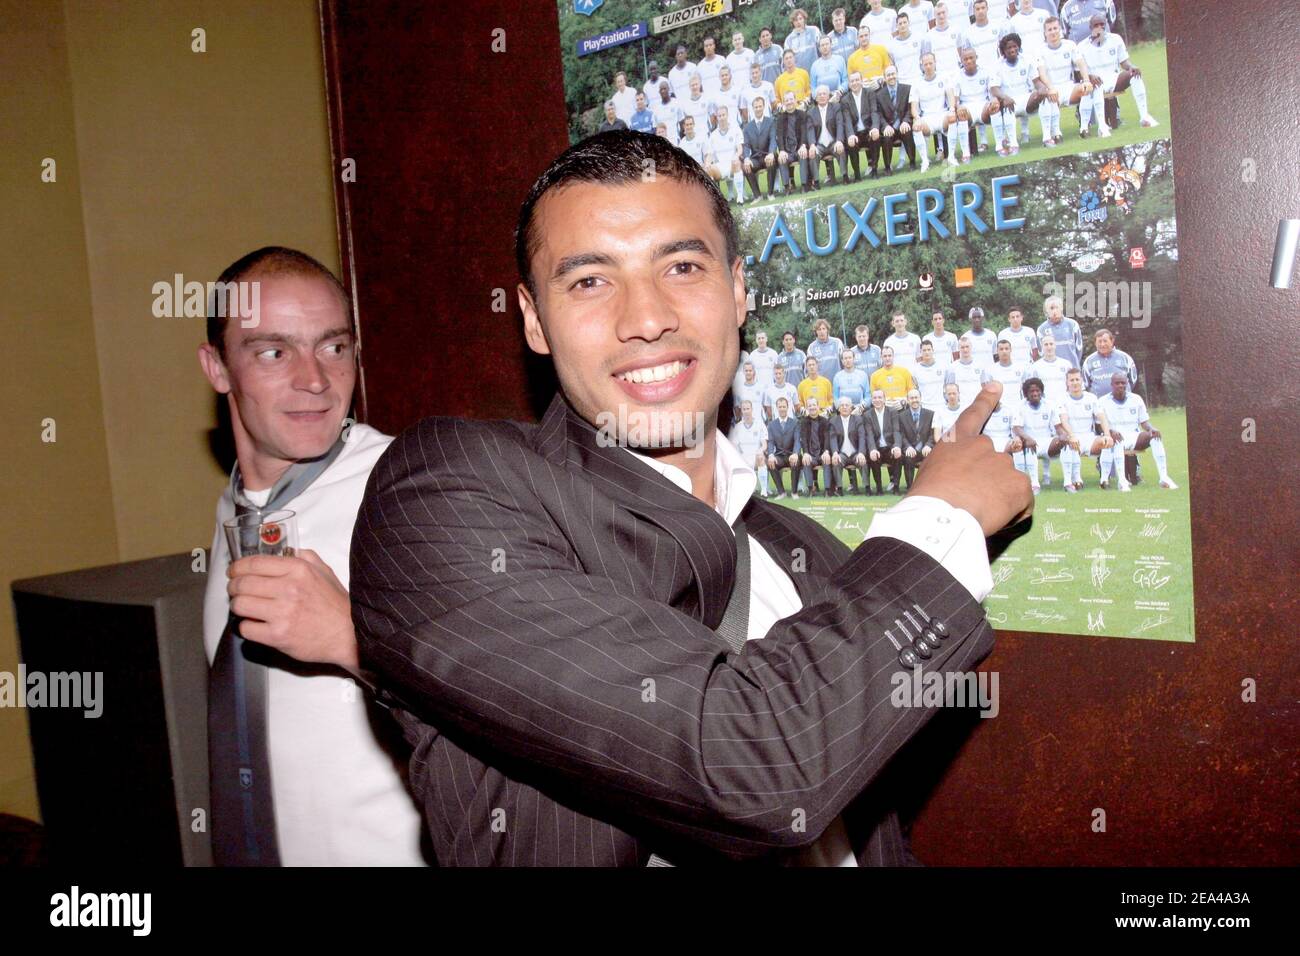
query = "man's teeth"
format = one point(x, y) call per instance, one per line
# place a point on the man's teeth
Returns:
point(657, 373)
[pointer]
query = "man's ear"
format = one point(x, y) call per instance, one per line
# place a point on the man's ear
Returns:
point(533, 331)
point(738, 290)
point(214, 368)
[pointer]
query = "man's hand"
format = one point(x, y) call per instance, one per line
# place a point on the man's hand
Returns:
point(296, 605)
point(966, 472)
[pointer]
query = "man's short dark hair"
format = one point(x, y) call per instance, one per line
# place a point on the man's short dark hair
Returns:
point(269, 261)
point(617, 158)
point(1033, 380)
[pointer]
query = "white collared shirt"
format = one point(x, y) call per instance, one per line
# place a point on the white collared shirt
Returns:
point(949, 535)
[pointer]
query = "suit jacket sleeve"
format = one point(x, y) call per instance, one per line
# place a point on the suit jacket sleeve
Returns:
point(470, 604)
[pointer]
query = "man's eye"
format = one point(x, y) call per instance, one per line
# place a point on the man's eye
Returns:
point(337, 349)
point(270, 354)
point(587, 282)
point(685, 268)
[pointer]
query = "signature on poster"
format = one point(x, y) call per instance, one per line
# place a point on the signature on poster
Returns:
point(1097, 622)
point(1153, 530)
point(1099, 570)
point(1102, 534)
point(1150, 579)
point(1153, 622)
point(1040, 576)
point(1051, 534)
point(1002, 573)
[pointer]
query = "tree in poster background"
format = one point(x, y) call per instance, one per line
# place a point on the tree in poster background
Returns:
point(1049, 196)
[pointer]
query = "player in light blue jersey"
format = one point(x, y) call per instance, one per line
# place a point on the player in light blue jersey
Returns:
point(1066, 332)
point(866, 356)
point(792, 359)
point(826, 349)
point(849, 382)
point(1106, 361)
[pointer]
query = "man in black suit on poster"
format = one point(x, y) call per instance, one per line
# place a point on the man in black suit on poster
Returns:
point(915, 427)
point(857, 107)
point(848, 443)
point(891, 121)
point(883, 449)
point(604, 648)
point(814, 435)
point(792, 144)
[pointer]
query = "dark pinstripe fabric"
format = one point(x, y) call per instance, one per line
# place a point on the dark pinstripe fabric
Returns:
point(548, 606)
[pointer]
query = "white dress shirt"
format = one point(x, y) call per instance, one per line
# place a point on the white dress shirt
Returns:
point(340, 797)
point(949, 535)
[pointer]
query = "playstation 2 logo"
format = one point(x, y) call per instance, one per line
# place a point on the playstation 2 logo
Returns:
point(587, 7)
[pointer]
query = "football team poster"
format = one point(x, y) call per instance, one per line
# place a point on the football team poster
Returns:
point(930, 195)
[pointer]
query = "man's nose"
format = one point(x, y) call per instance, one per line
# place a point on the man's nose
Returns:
point(644, 313)
point(309, 374)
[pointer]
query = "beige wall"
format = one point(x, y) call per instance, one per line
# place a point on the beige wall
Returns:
point(168, 161)
point(57, 495)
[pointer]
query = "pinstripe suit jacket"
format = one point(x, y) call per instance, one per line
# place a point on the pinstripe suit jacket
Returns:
point(540, 611)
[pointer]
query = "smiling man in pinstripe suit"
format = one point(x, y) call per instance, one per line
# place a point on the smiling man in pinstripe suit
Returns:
point(604, 648)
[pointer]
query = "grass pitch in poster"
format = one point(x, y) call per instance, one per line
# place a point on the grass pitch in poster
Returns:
point(1035, 220)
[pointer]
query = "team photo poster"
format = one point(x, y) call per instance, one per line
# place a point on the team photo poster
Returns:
point(930, 195)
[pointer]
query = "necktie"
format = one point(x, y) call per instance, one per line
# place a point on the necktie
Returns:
point(916, 417)
point(243, 814)
point(734, 626)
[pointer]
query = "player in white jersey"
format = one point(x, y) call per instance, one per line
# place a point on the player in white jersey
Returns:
point(1051, 371)
point(945, 39)
point(1028, 21)
point(1011, 375)
point(757, 87)
point(983, 342)
point(920, 13)
point(1040, 431)
point(905, 50)
point(880, 20)
point(949, 412)
point(1001, 428)
point(700, 106)
point(779, 389)
point(1024, 340)
point(695, 145)
point(932, 109)
point(749, 435)
point(983, 34)
point(1081, 415)
point(971, 87)
point(929, 375)
point(740, 59)
point(1058, 59)
point(967, 374)
point(665, 110)
point(748, 388)
point(1110, 70)
point(906, 345)
point(1130, 426)
point(730, 95)
point(1019, 92)
point(945, 343)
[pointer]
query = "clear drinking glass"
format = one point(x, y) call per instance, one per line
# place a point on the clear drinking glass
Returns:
point(268, 532)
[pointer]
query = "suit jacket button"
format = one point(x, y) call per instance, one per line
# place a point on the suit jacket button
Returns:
point(931, 638)
point(908, 657)
point(939, 627)
point(923, 649)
